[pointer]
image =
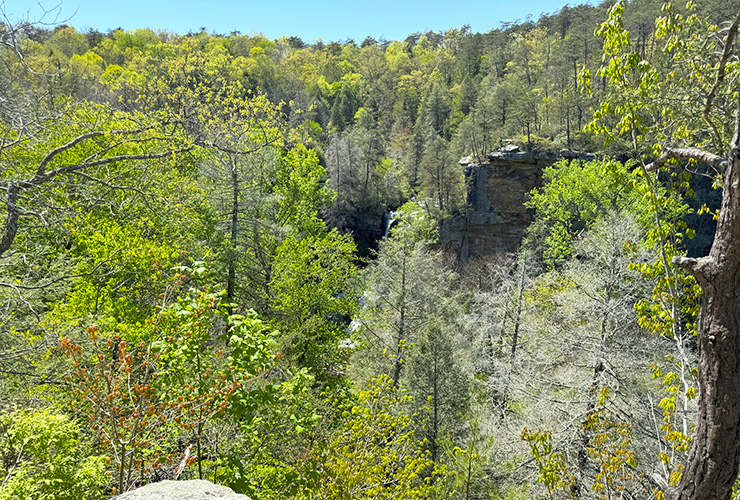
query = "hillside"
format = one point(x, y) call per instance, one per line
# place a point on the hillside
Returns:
point(459, 265)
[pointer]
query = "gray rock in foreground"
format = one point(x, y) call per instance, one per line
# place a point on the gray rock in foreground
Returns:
point(195, 489)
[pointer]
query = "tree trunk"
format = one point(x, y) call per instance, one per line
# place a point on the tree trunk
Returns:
point(712, 466)
point(401, 331)
point(11, 225)
point(234, 229)
point(515, 338)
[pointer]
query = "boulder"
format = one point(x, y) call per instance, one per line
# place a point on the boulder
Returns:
point(466, 161)
point(195, 489)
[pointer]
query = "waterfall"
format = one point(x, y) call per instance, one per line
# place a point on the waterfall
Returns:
point(389, 220)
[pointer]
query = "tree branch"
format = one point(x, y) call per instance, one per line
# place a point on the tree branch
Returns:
point(108, 185)
point(18, 288)
point(43, 178)
point(237, 152)
point(90, 135)
point(717, 162)
point(11, 223)
point(720, 77)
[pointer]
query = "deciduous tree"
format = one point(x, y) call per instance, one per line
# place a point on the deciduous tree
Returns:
point(702, 130)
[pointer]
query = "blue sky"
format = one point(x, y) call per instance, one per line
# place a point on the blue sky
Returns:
point(330, 20)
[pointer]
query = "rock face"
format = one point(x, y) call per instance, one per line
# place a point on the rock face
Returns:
point(182, 490)
point(496, 217)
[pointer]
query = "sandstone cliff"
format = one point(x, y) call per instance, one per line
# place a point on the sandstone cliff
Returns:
point(496, 218)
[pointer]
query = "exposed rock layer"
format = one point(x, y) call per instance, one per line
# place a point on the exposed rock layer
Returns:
point(496, 217)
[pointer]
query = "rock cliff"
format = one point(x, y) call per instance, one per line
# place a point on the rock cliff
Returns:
point(496, 218)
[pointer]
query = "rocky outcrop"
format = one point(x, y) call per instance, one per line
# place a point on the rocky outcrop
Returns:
point(496, 218)
point(182, 490)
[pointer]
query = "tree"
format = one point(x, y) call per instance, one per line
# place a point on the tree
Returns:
point(410, 329)
point(44, 458)
point(188, 370)
point(575, 195)
point(374, 454)
point(441, 179)
point(312, 284)
point(80, 144)
point(436, 377)
point(302, 187)
point(644, 106)
point(73, 171)
point(405, 291)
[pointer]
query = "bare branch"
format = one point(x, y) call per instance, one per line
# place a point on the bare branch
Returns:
point(238, 152)
point(10, 31)
point(90, 135)
point(720, 77)
point(44, 380)
point(13, 188)
point(108, 185)
point(717, 162)
point(17, 288)
point(41, 179)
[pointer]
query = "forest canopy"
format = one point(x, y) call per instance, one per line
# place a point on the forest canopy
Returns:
point(222, 257)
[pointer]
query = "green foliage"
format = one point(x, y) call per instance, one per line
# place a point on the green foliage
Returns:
point(138, 266)
point(137, 149)
point(302, 188)
point(374, 453)
point(313, 279)
point(399, 290)
point(574, 196)
point(640, 108)
point(275, 424)
point(643, 87)
point(674, 429)
point(414, 226)
point(553, 472)
point(441, 179)
point(612, 450)
point(204, 372)
point(140, 397)
point(673, 307)
point(437, 377)
point(43, 458)
point(410, 329)
point(467, 467)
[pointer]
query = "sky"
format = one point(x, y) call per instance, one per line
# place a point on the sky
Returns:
point(330, 20)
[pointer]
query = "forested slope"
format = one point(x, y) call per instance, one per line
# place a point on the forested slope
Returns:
point(196, 280)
